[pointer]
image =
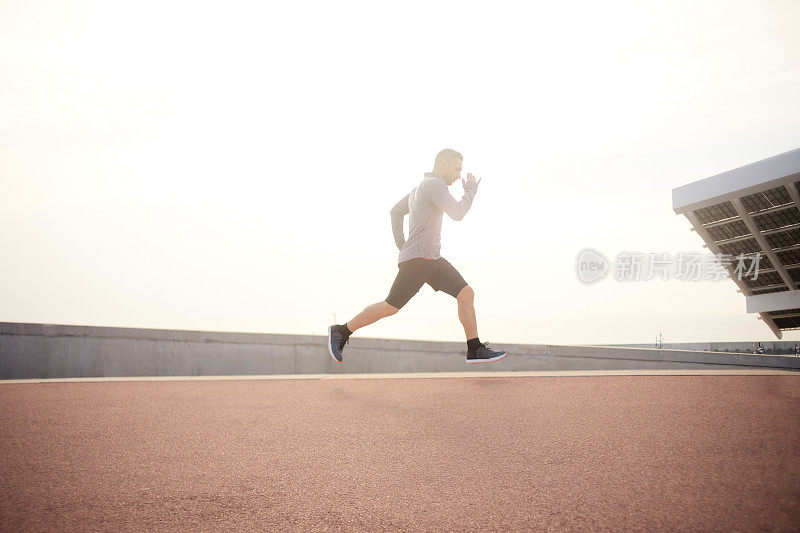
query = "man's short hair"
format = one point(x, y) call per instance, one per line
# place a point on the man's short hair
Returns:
point(448, 154)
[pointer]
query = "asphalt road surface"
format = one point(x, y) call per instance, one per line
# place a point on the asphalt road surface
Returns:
point(638, 452)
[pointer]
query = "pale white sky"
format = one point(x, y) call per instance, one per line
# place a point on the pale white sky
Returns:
point(230, 167)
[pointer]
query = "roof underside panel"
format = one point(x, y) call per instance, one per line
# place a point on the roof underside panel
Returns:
point(789, 257)
point(777, 219)
point(715, 213)
point(731, 230)
point(788, 323)
point(761, 201)
point(746, 246)
point(764, 280)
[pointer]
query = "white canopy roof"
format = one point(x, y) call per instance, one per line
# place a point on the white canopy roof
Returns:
point(754, 209)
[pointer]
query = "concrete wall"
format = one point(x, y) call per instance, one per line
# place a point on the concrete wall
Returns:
point(57, 351)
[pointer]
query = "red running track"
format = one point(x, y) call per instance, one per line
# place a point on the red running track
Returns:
point(689, 453)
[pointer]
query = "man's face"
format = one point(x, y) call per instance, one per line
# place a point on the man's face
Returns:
point(452, 171)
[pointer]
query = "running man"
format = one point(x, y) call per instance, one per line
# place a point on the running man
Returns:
point(419, 261)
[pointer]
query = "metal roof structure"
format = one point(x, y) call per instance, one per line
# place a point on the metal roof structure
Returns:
point(749, 210)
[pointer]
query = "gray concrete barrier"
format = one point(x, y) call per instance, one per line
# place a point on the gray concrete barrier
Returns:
point(60, 351)
point(768, 347)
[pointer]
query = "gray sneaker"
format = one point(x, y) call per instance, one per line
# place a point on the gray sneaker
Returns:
point(336, 342)
point(484, 354)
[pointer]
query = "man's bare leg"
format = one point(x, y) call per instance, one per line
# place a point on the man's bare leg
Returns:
point(477, 352)
point(371, 313)
point(466, 312)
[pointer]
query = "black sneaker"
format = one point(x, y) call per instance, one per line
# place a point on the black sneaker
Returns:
point(336, 342)
point(484, 354)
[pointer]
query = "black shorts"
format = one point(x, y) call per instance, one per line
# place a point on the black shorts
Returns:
point(414, 273)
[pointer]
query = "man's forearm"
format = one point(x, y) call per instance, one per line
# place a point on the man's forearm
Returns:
point(441, 198)
point(397, 212)
point(397, 230)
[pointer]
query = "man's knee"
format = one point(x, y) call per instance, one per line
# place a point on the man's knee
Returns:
point(466, 294)
point(389, 308)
